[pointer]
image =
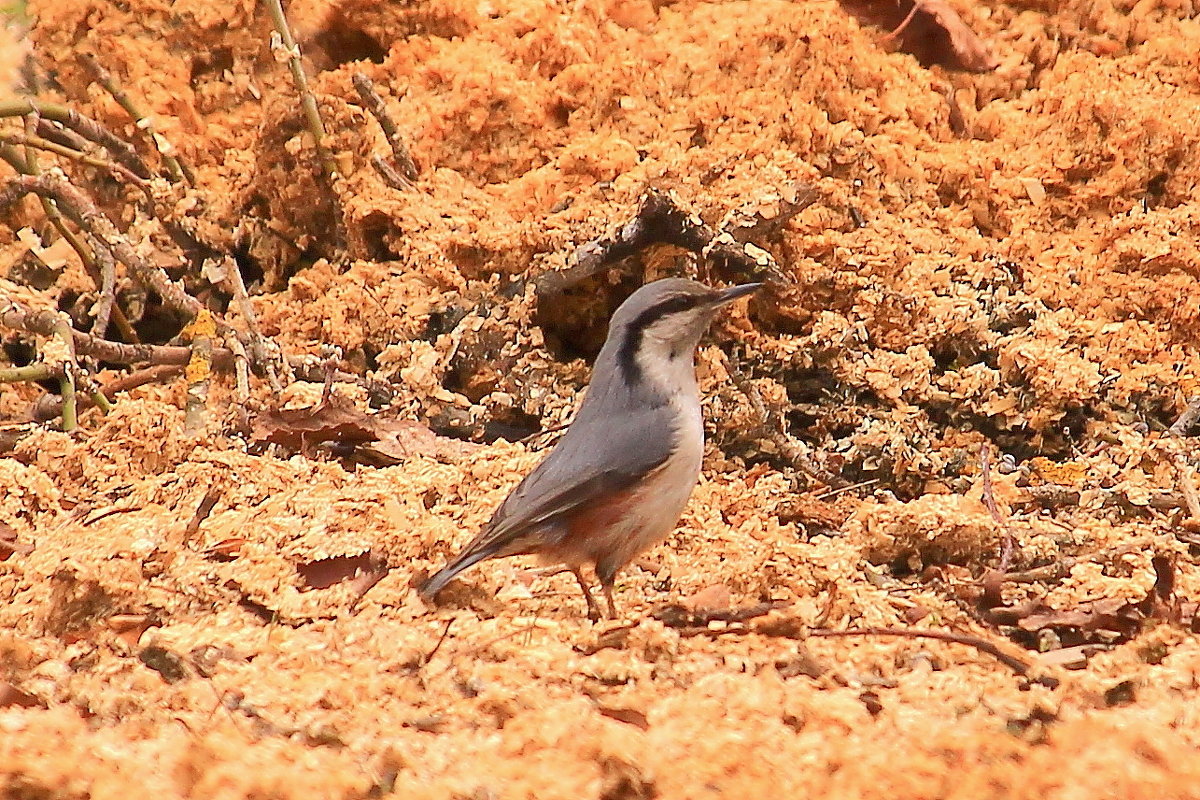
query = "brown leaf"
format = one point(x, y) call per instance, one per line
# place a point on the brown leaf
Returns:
point(300, 428)
point(375, 439)
point(9, 544)
point(630, 716)
point(226, 549)
point(12, 696)
point(326, 572)
point(1109, 614)
point(401, 439)
point(929, 29)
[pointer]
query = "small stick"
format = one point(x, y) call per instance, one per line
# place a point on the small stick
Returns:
point(143, 123)
point(788, 447)
point(108, 287)
point(286, 45)
point(39, 371)
point(1176, 433)
point(241, 371)
point(49, 406)
point(258, 350)
point(202, 511)
point(374, 103)
point(989, 499)
point(86, 127)
point(70, 371)
point(199, 370)
point(676, 616)
point(38, 142)
point(983, 645)
point(391, 176)
point(1187, 419)
point(84, 213)
point(427, 657)
point(912, 12)
point(55, 132)
point(30, 167)
point(850, 488)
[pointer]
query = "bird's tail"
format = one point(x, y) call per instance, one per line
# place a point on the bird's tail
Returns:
point(464, 560)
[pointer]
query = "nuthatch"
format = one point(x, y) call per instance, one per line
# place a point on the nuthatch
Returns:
point(621, 475)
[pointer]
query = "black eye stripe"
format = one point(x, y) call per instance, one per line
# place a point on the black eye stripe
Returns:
point(675, 304)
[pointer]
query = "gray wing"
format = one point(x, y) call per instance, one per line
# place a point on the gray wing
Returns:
point(611, 444)
point(610, 455)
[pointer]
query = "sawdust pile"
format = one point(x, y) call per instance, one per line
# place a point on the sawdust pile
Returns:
point(1005, 258)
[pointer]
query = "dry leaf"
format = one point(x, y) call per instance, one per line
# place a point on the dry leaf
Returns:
point(929, 29)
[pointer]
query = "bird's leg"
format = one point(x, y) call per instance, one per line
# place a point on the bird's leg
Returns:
point(607, 576)
point(612, 607)
point(593, 611)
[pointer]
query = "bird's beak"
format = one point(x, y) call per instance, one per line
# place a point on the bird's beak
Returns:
point(726, 296)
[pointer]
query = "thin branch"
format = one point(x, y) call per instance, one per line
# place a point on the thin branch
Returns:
point(285, 46)
point(50, 209)
point(38, 371)
point(1187, 419)
point(391, 176)
point(108, 287)
point(55, 132)
point(199, 370)
point(661, 220)
point(86, 127)
point(989, 500)
point(787, 446)
point(27, 140)
point(50, 406)
point(69, 371)
point(143, 123)
point(374, 103)
point(983, 645)
point(84, 213)
point(677, 616)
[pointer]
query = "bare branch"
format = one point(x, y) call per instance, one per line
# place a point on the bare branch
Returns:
point(374, 103)
point(86, 127)
point(178, 170)
point(285, 46)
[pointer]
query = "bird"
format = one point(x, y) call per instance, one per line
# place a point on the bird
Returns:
point(618, 480)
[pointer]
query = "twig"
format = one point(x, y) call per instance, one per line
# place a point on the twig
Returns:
point(86, 127)
point(989, 500)
point(39, 371)
point(69, 370)
point(983, 645)
point(850, 488)
point(677, 616)
point(199, 370)
point(285, 46)
point(258, 349)
point(391, 176)
point(50, 209)
point(912, 12)
point(49, 406)
point(374, 103)
point(427, 657)
point(38, 142)
point(202, 511)
point(55, 132)
point(1187, 419)
point(85, 214)
point(660, 220)
point(787, 446)
point(108, 287)
point(241, 371)
point(1174, 435)
point(178, 170)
